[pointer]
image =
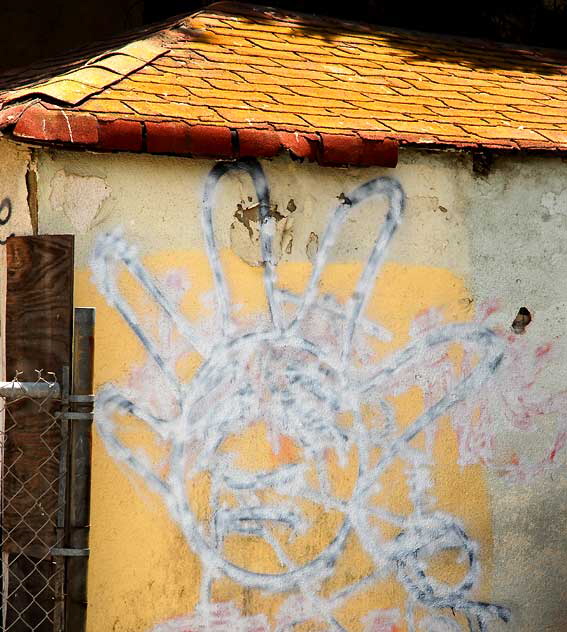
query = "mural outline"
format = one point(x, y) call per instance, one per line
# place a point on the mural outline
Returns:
point(299, 388)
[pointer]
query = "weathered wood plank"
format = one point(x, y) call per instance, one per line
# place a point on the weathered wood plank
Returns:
point(39, 312)
point(39, 304)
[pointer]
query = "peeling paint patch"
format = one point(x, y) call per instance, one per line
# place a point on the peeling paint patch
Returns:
point(80, 198)
point(312, 247)
point(31, 186)
point(245, 231)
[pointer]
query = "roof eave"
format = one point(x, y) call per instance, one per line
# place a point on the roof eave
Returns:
point(41, 124)
point(38, 123)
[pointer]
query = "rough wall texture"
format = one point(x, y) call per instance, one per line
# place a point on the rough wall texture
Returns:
point(15, 217)
point(313, 410)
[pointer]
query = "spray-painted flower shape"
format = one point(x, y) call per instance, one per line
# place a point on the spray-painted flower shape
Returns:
point(302, 386)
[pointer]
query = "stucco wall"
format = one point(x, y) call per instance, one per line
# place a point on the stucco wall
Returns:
point(15, 217)
point(290, 480)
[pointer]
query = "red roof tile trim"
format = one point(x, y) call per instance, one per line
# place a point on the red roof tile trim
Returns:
point(41, 123)
point(45, 124)
point(120, 136)
point(236, 80)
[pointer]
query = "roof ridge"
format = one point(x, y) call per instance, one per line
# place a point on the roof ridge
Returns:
point(83, 83)
point(65, 62)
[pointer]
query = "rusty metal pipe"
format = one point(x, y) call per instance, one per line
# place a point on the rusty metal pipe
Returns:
point(80, 448)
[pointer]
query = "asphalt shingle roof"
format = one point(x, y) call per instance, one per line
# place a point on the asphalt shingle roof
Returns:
point(241, 80)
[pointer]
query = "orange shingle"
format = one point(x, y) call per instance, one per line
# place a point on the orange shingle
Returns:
point(330, 93)
point(65, 90)
point(283, 73)
point(112, 94)
point(93, 76)
point(544, 111)
point(379, 114)
point(424, 127)
point(224, 102)
point(250, 93)
point(278, 107)
point(343, 123)
point(459, 114)
point(105, 105)
point(172, 110)
point(241, 67)
point(259, 78)
point(454, 105)
point(364, 88)
point(161, 89)
point(503, 132)
point(230, 58)
point(257, 116)
point(556, 136)
point(298, 101)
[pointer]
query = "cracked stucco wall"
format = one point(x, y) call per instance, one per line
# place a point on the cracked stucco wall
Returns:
point(14, 211)
point(14, 215)
point(151, 195)
point(468, 240)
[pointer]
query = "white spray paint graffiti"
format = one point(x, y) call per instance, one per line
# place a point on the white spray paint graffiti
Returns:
point(300, 385)
point(519, 399)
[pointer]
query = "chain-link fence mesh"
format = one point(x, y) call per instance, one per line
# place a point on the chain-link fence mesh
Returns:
point(33, 466)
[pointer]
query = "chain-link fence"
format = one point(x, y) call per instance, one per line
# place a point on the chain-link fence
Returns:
point(33, 461)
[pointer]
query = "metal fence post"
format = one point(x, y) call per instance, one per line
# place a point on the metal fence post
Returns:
point(59, 588)
point(80, 468)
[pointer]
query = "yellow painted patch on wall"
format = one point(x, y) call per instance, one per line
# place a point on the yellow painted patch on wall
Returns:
point(142, 570)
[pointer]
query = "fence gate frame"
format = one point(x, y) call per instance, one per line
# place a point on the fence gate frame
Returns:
point(58, 339)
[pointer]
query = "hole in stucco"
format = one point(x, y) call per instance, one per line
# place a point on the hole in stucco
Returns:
point(482, 163)
point(522, 320)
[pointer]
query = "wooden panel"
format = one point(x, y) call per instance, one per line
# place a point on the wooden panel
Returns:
point(39, 304)
point(39, 312)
